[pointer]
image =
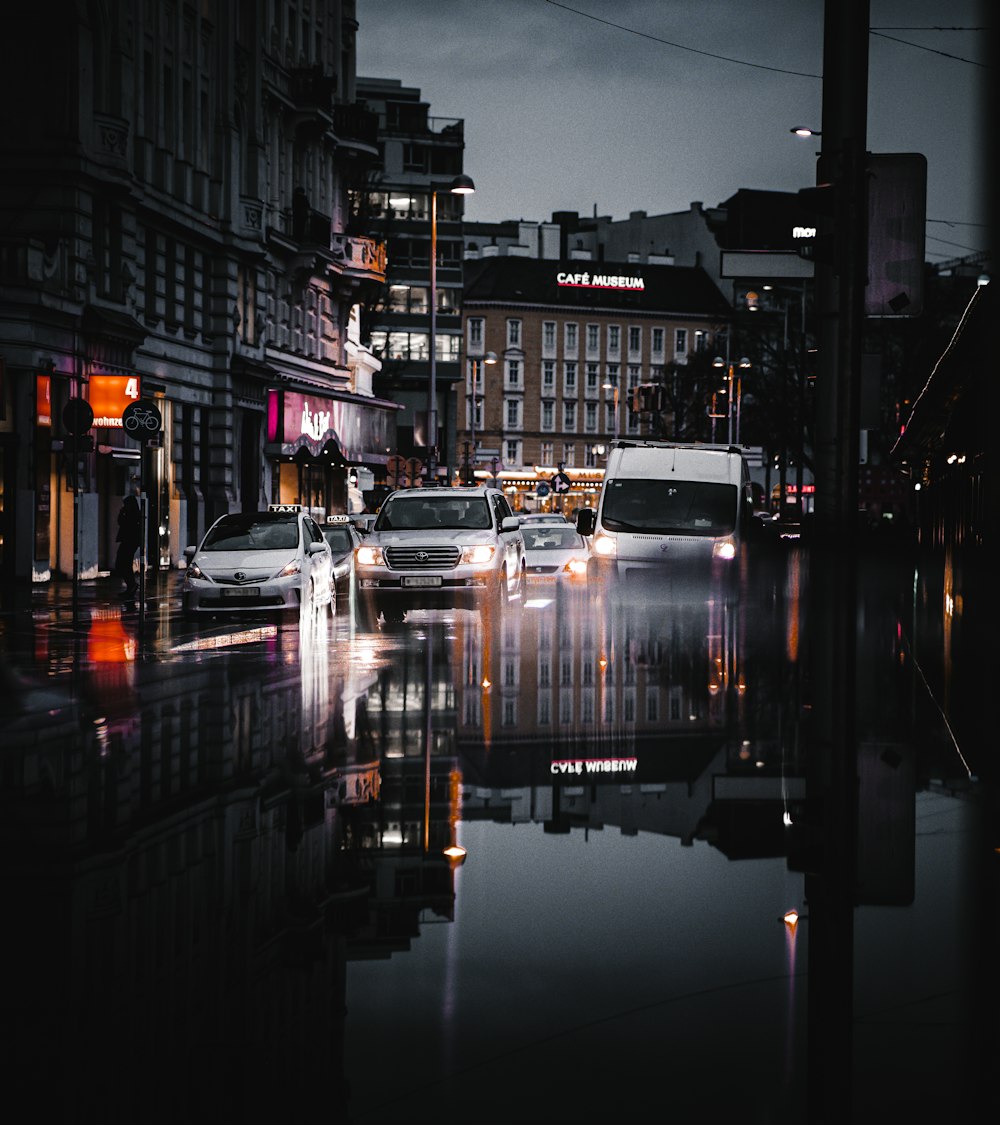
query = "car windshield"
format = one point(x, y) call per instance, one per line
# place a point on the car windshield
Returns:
point(550, 537)
point(257, 531)
point(339, 538)
point(423, 515)
point(683, 506)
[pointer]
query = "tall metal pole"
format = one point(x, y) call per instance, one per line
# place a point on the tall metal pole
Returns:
point(472, 423)
point(832, 773)
point(432, 449)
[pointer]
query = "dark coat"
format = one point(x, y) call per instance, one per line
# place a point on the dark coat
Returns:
point(130, 522)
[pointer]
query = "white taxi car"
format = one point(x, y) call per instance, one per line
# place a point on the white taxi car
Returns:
point(253, 561)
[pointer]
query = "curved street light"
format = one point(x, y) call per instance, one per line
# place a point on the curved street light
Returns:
point(475, 364)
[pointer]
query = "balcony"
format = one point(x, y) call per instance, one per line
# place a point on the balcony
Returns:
point(359, 257)
point(357, 129)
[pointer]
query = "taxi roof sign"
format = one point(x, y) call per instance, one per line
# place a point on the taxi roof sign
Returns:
point(284, 507)
point(338, 519)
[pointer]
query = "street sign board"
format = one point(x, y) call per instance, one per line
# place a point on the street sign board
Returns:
point(77, 416)
point(141, 419)
point(561, 483)
point(542, 489)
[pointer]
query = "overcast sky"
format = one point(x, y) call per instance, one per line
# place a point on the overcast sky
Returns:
point(565, 113)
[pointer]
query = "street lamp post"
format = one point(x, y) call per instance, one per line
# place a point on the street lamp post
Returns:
point(474, 367)
point(613, 387)
point(735, 396)
point(460, 185)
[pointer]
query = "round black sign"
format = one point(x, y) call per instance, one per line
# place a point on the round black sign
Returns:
point(141, 419)
point(77, 416)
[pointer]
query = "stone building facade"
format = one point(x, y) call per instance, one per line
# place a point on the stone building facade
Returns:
point(178, 231)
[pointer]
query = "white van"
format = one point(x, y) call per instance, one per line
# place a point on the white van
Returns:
point(683, 509)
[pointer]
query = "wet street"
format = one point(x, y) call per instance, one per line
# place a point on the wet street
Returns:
point(587, 861)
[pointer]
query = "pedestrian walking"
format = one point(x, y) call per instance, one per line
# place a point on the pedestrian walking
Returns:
point(129, 538)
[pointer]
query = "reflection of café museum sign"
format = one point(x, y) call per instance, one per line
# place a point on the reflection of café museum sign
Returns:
point(599, 281)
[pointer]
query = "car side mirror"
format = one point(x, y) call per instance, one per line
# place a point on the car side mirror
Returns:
point(510, 523)
point(586, 521)
point(190, 552)
point(317, 548)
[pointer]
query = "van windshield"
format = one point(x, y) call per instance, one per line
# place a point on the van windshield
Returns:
point(683, 506)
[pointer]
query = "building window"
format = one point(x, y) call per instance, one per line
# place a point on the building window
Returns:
point(614, 340)
point(657, 344)
point(700, 340)
point(475, 333)
point(544, 710)
point(593, 380)
point(569, 455)
point(512, 453)
point(548, 376)
point(571, 343)
point(634, 375)
point(549, 337)
point(513, 333)
point(590, 417)
point(590, 456)
point(569, 378)
point(548, 451)
point(634, 341)
point(513, 374)
point(593, 340)
point(612, 373)
point(680, 341)
point(548, 418)
point(569, 416)
point(512, 413)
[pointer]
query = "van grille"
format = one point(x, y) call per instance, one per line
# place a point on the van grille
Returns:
point(422, 558)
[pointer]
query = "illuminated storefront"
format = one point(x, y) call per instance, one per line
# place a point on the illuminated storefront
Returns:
point(316, 444)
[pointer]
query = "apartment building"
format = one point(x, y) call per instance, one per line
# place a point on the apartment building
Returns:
point(420, 157)
point(179, 229)
point(573, 341)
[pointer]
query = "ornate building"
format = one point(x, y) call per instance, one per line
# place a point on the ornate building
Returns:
point(178, 231)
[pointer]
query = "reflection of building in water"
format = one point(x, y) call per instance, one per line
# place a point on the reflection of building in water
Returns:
point(567, 672)
point(179, 884)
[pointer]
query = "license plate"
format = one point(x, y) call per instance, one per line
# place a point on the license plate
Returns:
point(423, 580)
point(241, 592)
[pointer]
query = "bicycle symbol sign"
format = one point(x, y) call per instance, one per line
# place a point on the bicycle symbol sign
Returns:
point(141, 419)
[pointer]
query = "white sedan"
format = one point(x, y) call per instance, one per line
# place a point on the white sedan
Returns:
point(554, 553)
point(253, 561)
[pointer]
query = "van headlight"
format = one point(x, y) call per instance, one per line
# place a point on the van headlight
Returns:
point(370, 556)
point(479, 554)
point(605, 545)
point(724, 549)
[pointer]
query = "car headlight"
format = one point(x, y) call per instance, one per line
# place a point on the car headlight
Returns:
point(294, 567)
point(724, 549)
point(194, 571)
point(606, 546)
point(576, 567)
point(370, 556)
point(479, 554)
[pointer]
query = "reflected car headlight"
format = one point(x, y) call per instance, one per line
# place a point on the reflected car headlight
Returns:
point(724, 549)
point(481, 553)
point(605, 545)
point(294, 567)
point(370, 556)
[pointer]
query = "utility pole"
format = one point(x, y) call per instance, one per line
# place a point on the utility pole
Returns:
point(832, 778)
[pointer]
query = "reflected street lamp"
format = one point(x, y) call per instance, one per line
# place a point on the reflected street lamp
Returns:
point(474, 367)
point(460, 185)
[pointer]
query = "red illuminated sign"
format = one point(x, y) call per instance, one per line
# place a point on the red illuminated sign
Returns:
point(109, 395)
